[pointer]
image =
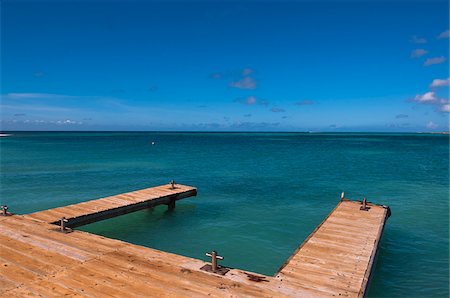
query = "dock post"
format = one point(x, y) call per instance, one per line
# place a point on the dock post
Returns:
point(171, 204)
point(342, 196)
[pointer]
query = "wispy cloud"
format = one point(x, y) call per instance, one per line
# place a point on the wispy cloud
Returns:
point(417, 39)
point(418, 53)
point(39, 74)
point(304, 102)
point(247, 71)
point(400, 116)
point(216, 75)
point(35, 96)
point(239, 125)
point(428, 97)
point(445, 34)
point(42, 122)
point(254, 125)
point(397, 125)
point(39, 108)
point(277, 110)
point(445, 108)
point(244, 83)
point(432, 125)
point(435, 60)
point(252, 100)
point(440, 83)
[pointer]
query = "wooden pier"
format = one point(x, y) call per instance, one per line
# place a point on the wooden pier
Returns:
point(38, 260)
point(100, 209)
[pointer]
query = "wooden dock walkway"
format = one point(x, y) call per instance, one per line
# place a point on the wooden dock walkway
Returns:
point(100, 209)
point(338, 256)
point(37, 260)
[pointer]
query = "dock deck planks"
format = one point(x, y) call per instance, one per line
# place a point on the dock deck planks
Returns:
point(99, 209)
point(38, 260)
point(337, 257)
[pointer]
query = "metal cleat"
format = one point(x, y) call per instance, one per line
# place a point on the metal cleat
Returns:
point(214, 267)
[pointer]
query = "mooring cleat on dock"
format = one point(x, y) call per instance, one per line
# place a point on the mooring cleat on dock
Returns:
point(214, 267)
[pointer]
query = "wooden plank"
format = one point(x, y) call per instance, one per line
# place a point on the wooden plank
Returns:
point(38, 260)
point(96, 210)
point(340, 252)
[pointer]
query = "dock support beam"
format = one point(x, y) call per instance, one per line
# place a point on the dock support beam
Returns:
point(171, 204)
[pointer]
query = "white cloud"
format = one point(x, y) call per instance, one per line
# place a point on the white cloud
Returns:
point(42, 108)
point(440, 83)
point(216, 75)
point(432, 125)
point(445, 34)
point(41, 122)
point(251, 100)
point(434, 60)
point(244, 83)
point(35, 96)
point(428, 97)
point(304, 102)
point(67, 121)
point(416, 39)
point(247, 71)
point(277, 110)
point(418, 53)
point(445, 108)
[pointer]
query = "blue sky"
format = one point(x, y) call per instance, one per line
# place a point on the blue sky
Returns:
point(225, 66)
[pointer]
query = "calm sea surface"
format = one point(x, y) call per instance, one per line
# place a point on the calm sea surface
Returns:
point(260, 194)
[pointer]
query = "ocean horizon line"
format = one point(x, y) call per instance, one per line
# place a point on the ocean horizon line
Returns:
point(225, 131)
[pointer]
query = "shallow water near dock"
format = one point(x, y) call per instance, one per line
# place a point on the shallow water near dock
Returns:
point(259, 194)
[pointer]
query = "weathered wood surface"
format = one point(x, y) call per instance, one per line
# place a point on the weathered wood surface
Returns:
point(337, 258)
point(100, 209)
point(37, 260)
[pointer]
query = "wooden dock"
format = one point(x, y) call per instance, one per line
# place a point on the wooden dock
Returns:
point(100, 209)
point(338, 257)
point(38, 260)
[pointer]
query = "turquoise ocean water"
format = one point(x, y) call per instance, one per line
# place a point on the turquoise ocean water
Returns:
point(260, 194)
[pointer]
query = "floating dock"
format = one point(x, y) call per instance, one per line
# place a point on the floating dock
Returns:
point(41, 258)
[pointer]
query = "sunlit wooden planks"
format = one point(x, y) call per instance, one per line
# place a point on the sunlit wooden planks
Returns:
point(95, 210)
point(83, 264)
point(36, 259)
point(337, 258)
